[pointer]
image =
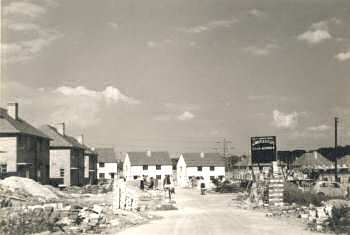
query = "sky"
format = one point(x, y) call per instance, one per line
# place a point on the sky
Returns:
point(180, 75)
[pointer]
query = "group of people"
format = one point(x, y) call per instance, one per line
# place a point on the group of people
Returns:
point(152, 184)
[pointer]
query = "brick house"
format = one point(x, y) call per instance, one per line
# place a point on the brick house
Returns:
point(107, 165)
point(66, 157)
point(90, 162)
point(150, 164)
point(24, 150)
point(206, 165)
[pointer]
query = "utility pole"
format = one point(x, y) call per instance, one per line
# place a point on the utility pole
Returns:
point(335, 148)
point(225, 146)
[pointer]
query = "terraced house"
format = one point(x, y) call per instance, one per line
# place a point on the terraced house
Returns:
point(206, 165)
point(24, 150)
point(66, 157)
point(150, 164)
point(107, 166)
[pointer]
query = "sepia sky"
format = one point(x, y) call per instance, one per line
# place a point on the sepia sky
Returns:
point(180, 75)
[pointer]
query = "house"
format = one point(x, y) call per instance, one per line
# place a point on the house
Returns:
point(206, 165)
point(148, 163)
point(90, 162)
point(66, 157)
point(24, 150)
point(107, 166)
point(313, 160)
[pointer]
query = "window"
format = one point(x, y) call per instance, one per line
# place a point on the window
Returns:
point(145, 167)
point(212, 168)
point(3, 169)
point(102, 164)
point(101, 175)
point(158, 167)
point(199, 168)
point(158, 177)
point(62, 172)
point(212, 177)
point(135, 177)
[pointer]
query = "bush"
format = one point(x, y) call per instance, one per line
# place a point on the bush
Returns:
point(292, 194)
point(340, 220)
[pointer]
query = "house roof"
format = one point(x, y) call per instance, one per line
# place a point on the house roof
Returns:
point(344, 161)
point(313, 160)
point(59, 140)
point(8, 125)
point(106, 155)
point(209, 159)
point(156, 158)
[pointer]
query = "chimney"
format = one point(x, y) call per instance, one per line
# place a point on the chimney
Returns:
point(315, 154)
point(61, 128)
point(149, 153)
point(202, 155)
point(80, 139)
point(12, 110)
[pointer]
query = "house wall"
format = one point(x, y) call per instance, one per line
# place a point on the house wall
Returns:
point(182, 179)
point(60, 159)
point(77, 167)
point(9, 146)
point(86, 166)
point(151, 171)
point(127, 168)
point(93, 169)
point(107, 170)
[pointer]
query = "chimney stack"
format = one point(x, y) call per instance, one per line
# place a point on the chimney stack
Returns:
point(149, 153)
point(61, 128)
point(80, 139)
point(202, 155)
point(12, 110)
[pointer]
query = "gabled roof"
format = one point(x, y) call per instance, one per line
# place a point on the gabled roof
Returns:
point(60, 141)
point(209, 159)
point(106, 155)
point(8, 125)
point(313, 160)
point(244, 162)
point(156, 158)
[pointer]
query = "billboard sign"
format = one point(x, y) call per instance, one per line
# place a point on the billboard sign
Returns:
point(263, 149)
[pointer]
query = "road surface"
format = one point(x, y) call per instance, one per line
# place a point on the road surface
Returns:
point(214, 214)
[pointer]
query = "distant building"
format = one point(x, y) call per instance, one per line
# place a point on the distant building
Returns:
point(148, 163)
point(66, 157)
point(90, 162)
point(107, 166)
point(206, 165)
point(24, 150)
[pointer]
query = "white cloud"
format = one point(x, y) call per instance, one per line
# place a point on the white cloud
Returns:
point(210, 26)
point(343, 56)
point(284, 120)
point(25, 9)
point(23, 26)
point(261, 51)
point(315, 36)
point(319, 128)
point(185, 116)
point(113, 25)
point(257, 13)
point(110, 94)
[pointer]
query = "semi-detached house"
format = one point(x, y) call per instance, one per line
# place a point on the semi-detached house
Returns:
point(24, 150)
point(197, 165)
point(107, 165)
point(148, 163)
point(66, 157)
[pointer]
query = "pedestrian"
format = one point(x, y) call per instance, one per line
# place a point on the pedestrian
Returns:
point(202, 186)
point(167, 185)
point(151, 184)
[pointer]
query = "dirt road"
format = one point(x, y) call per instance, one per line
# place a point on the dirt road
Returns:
point(214, 214)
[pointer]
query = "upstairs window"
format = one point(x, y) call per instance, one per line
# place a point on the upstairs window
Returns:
point(145, 167)
point(101, 164)
point(158, 167)
point(212, 168)
point(199, 168)
point(158, 177)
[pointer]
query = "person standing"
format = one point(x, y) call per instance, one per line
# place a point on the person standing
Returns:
point(167, 185)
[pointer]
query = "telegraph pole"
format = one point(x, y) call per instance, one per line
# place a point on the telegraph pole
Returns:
point(225, 143)
point(335, 148)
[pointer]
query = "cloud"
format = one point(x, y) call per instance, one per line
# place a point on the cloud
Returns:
point(23, 26)
point(209, 26)
point(283, 120)
point(185, 116)
point(319, 128)
point(257, 13)
point(113, 25)
point(315, 36)
point(261, 51)
point(25, 9)
point(343, 56)
point(110, 94)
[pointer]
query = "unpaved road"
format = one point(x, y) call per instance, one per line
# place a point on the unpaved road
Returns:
point(214, 214)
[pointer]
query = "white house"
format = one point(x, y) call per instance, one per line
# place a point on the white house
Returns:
point(107, 166)
point(150, 164)
point(206, 165)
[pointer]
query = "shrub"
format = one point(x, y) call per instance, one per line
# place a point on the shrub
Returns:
point(340, 220)
point(292, 194)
